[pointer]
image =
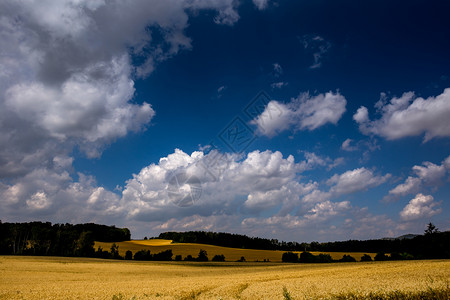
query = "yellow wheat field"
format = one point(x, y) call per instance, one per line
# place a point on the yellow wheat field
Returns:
point(231, 254)
point(84, 278)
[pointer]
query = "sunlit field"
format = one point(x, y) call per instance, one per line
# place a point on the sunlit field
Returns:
point(231, 254)
point(85, 278)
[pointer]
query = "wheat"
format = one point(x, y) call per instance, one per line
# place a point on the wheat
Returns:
point(84, 278)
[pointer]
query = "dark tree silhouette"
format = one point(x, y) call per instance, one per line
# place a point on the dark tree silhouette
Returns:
point(431, 229)
point(202, 255)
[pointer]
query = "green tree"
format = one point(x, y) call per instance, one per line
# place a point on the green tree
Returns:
point(115, 251)
point(218, 257)
point(202, 255)
point(366, 257)
point(431, 228)
point(129, 255)
point(84, 246)
point(381, 256)
point(289, 257)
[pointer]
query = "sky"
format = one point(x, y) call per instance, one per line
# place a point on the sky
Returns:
point(296, 120)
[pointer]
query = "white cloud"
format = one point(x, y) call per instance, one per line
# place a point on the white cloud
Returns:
point(302, 113)
point(408, 116)
point(355, 180)
point(261, 4)
point(346, 145)
point(67, 78)
point(426, 175)
point(262, 180)
point(420, 207)
point(67, 82)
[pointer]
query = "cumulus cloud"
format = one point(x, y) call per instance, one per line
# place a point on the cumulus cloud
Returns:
point(67, 82)
point(349, 182)
point(355, 180)
point(408, 116)
point(260, 181)
point(303, 113)
point(421, 206)
point(426, 175)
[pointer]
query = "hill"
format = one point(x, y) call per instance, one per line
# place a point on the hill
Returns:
point(231, 254)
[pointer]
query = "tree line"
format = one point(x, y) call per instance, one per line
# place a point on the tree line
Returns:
point(432, 244)
point(45, 238)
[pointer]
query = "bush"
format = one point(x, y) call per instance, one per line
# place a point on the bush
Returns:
point(143, 255)
point(128, 255)
point(163, 255)
point(381, 257)
point(202, 255)
point(100, 253)
point(178, 258)
point(366, 257)
point(115, 252)
point(242, 259)
point(289, 257)
point(307, 257)
point(189, 258)
point(347, 258)
point(220, 257)
point(324, 258)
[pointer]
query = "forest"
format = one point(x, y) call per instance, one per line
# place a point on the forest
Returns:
point(39, 238)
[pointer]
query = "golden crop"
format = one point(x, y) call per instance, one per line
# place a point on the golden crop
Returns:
point(231, 254)
point(85, 278)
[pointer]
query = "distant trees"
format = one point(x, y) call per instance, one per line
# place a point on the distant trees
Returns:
point(347, 258)
point(146, 255)
point(218, 257)
point(128, 255)
point(202, 255)
point(289, 257)
point(366, 257)
point(381, 256)
point(433, 244)
point(431, 229)
point(39, 238)
point(189, 258)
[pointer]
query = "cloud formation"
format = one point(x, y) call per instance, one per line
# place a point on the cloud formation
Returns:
point(302, 113)
point(425, 175)
point(408, 116)
point(421, 206)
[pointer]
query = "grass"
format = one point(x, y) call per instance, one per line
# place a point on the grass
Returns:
point(231, 254)
point(84, 278)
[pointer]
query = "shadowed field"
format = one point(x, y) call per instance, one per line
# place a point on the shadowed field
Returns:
point(84, 278)
point(231, 254)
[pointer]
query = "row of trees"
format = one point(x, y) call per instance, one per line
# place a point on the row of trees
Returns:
point(307, 257)
point(38, 238)
point(146, 255)
point(432, 244)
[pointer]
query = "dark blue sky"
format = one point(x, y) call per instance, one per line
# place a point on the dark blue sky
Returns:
point(358, 88)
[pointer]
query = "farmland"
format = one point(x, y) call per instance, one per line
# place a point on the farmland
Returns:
point(87, 278)
point(231, 254)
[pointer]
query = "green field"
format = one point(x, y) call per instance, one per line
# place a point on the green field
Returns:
point(231, 254)
point(86, 278)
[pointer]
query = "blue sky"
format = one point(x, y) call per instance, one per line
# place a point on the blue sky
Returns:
point(296, 120)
